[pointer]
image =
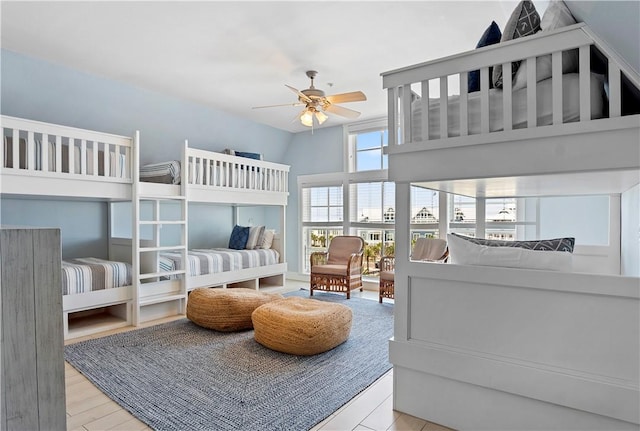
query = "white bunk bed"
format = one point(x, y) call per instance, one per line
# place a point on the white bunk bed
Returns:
point(487, 347)
point(213, 178)
point(72, 165)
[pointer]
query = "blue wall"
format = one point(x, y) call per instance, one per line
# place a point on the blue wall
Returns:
point(44, 91)
point(309, 153)
point(83, 225)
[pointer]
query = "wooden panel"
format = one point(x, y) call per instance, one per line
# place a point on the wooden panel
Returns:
point(18, 331)
point(32, 356)
point(49, 333)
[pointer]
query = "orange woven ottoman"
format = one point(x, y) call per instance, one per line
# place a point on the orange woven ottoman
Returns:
point(226, 310)
point(301, 326)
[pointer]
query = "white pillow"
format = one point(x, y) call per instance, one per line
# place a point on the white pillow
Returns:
point(255, 232)
point(267, 239)
point(463, 252)
point(555, 16)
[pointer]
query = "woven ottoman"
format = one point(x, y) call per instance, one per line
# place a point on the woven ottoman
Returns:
point(301, 326)
point(226, 310)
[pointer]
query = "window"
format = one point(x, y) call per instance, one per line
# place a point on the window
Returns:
point(322, 204)
point(501, 219)
point(373, 202)
point(322, 218)
point(425, 213)
point(367, 148)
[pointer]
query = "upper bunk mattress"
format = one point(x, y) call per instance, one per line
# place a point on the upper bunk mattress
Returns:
point(89, 274)
point(211, 261)
point(544, 107)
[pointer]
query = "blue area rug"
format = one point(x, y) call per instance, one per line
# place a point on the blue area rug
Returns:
point(179, 376)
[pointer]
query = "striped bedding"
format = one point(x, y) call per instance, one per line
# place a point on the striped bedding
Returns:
point(165, 172)
point(211, 261)
point(88, 274)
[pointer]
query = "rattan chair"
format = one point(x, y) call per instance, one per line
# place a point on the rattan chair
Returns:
point(425, 249)
point(339, 269)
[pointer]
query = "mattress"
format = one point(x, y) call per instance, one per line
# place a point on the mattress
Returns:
point(570, 99)
point(89, 274)
point(217, 260)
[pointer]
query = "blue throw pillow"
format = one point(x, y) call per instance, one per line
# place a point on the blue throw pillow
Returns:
point(239, 237)
point(490, 36)
point(256, 156)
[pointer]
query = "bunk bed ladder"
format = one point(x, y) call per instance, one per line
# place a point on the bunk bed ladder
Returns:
point(160, 292)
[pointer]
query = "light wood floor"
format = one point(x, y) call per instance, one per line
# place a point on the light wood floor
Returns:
point(88, 409)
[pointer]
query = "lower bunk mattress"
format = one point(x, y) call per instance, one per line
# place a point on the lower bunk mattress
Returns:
point(83, 275)
point(217, 260)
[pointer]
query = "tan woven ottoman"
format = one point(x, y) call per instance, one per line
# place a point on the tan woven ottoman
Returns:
point(225, 310)
point(301, 326)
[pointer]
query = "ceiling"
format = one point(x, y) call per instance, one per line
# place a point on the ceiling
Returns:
point(232, 56)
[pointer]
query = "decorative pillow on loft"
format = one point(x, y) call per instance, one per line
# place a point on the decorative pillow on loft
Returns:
point(239, 237)
point(490, 36)
point(245, 154)
point(555, 244)
point(255, 234)
point(524, 21)
point(464, 252)
point(556, 16)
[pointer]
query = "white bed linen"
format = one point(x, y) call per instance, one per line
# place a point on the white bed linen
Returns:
point(570, 98)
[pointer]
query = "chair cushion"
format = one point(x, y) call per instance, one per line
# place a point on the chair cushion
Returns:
point(342, 247)
point(330, 269)
point(428, 249)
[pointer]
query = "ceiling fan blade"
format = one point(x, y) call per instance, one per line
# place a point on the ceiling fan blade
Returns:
point(275, 106)
point(342, 111)
point(354, 96)
point(300, 94)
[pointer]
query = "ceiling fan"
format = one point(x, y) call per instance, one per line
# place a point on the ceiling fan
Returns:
point(316, 103)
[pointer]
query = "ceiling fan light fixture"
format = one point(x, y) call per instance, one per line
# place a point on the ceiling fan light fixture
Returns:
point(307, 118)
point(321, 117)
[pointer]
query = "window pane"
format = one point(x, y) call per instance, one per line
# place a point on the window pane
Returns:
point(501, 218)
point(316, 239)
point(377, 243)
point(369, 202)
point(425, 205)
point(368, 140)
point(319, 214)
point(319, 196)
point(369, 160)
point(463, 209)
point(322, 204)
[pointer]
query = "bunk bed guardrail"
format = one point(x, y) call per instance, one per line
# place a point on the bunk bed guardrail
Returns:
point(67, 152)
point(220, 171)
point(406, 83)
